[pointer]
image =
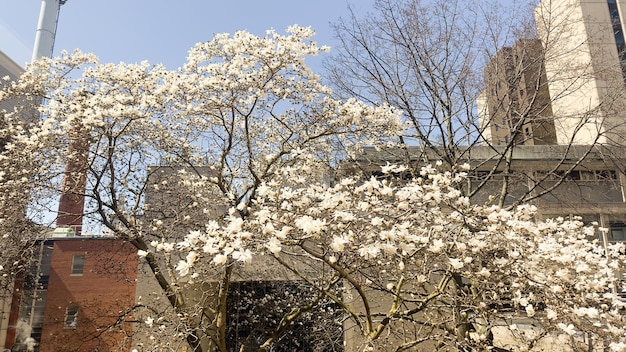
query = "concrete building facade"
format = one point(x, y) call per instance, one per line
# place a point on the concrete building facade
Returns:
point(562, 181)
point(517, 99)
point(8, 68)
point(587, 181)
point(583, 42)
point(577, 75)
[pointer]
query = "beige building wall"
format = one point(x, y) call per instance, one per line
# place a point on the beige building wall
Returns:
point(483, 117)
point(583, 69)
point(8, 68)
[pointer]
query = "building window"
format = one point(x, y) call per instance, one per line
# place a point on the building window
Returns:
point(621, 286)
point(602, 175)
point(264, 303)
point(487, 175)
point(618, 30)
point(78, 264)
point(617, 231)
point(71, 317)
point(580, 175)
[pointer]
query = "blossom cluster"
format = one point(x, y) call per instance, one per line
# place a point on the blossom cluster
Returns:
point(407, 237)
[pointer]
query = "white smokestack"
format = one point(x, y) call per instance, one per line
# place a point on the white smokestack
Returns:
point(46, 29)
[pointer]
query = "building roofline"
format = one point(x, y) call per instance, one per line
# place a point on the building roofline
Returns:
point(520, 153)
point(10, 65)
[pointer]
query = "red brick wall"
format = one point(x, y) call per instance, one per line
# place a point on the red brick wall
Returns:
point(104, 293)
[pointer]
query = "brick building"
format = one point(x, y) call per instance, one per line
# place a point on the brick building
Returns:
point(79, 297)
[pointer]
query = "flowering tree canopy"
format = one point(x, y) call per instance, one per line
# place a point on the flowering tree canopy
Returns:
point(240, 110)
point(417, 265)
point(218, 173)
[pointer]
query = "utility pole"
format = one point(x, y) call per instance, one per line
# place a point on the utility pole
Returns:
point(46, 28)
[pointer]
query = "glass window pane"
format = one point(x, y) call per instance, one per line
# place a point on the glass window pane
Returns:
point(71, 317)
point(78, 264)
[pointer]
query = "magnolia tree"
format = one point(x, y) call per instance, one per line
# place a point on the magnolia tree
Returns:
point(219, 174)
point(155, 153)
point(414, 265)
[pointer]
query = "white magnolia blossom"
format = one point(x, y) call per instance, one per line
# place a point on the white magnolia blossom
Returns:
point(183, 267)
point(274, 245)
point(456, 263)
point(310, 225)
point(338, 244)
point(549, 270)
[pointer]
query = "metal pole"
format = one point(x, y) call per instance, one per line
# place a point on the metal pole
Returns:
point(46, 28)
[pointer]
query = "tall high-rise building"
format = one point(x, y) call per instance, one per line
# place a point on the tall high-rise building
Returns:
point(517, 101)
point(565, 87)
point(583, 44)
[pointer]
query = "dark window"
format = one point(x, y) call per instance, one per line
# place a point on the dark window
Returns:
point(484, 175)
point(606, 175)
point(617, 231)
point(573, 175)
point(618, 30)
point(71, 317)
point(621, 285)
point(78, 264)
point(256, 308)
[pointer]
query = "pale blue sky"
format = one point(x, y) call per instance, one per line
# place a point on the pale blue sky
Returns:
point(161, 31)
